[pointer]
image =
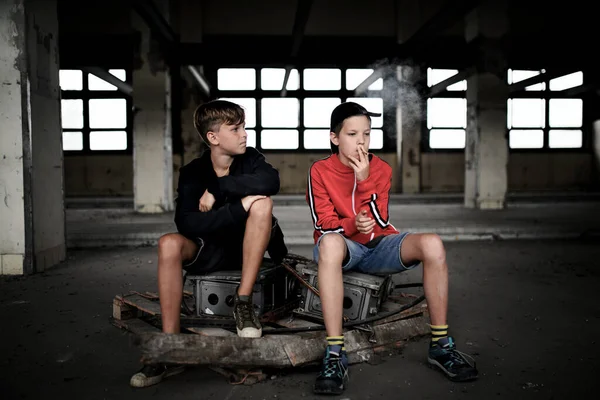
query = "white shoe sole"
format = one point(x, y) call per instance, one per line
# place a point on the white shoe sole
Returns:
point(250, 333)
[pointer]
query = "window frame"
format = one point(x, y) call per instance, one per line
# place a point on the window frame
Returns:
point(546, 95)
point(85, 94)
point(389, 144)
point(426, 131)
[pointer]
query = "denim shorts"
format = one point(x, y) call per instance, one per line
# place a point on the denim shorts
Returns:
point(383, 259)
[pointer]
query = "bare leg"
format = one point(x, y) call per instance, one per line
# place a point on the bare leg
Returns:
point(173, 249)
point(429, 249)
point(256, 240)
point(332, 249)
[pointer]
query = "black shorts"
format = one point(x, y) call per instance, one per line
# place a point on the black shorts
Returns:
point(227, 255)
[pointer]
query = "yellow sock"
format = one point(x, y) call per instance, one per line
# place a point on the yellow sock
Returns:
point(336, 341)
point(438, 332)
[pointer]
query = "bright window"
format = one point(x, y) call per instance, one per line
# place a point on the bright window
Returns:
point(322, 79)
point(72, 140)
point(316, 139)
point(72, 114)
point(526, 113)
point(93, 121)
point(236, 79)
point(275, 139)
point(95, 83)
point(565, 139)
point(108, 140)
point(435, 76)
point(70, 79)
point(376, 142)
point(355, 77)
point(567, 81)
point(526, 139)
point(518, 75)
point(272, 79)
point(251, 139)
point(447, 138)
point(566, 113)
point(446, 113)
point(317, 111)
point(280, 112)
point(108, 113)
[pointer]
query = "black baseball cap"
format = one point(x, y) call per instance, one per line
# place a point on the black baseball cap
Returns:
point(347, 110)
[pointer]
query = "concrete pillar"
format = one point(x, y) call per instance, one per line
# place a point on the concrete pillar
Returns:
point(596, 151)
point(152, 138)
point(32, 234)
point(486, 150)
point(409, 115)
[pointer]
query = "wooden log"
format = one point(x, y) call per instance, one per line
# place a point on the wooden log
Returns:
point(277, 351)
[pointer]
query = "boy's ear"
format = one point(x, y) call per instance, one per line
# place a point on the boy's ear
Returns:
point(334, 138)
point(212, 138)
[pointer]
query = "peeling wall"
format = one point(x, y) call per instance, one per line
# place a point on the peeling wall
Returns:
point(12, 191)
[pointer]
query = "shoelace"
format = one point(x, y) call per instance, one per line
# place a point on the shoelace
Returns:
point(332, 367)
point(246, 311)
point(460, 358)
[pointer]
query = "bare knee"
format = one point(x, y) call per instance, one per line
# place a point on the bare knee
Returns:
point(171, 245)
point(262, 208)
point(332, 248)
point(432, 247)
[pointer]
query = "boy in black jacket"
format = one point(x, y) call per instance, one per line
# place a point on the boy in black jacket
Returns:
point(224, 221)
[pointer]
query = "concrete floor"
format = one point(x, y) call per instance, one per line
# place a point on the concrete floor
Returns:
point(527, 310)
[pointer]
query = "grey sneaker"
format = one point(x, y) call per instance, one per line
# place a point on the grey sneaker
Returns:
point(246, 321)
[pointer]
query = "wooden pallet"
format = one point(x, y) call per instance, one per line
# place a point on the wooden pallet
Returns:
point(243, 360)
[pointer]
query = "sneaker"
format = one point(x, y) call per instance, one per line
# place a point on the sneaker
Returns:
point(152, 374)
point(334, 374)
point(246, 321)
point(452, 362)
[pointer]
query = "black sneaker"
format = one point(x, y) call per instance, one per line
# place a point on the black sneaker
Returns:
point(246, 321)
point(452, 362)
point(152, 374)
point(334, 374)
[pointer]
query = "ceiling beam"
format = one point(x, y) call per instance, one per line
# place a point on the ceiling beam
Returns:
point(110, 78)
point(542, 77)
point(300, 20)
point(199, 79)
point(443, 85)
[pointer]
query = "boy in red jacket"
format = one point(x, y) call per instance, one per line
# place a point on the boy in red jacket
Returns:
point(348, 196)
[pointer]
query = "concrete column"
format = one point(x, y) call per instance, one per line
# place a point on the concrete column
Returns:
point(408, 121)
point(152, 139)
point(596, 150)
point(32, 237)
point(486, 151)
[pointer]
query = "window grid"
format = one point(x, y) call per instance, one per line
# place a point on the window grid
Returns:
point(428, 136)
point(85, 94)
point(546, 94)
point(300, 94)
